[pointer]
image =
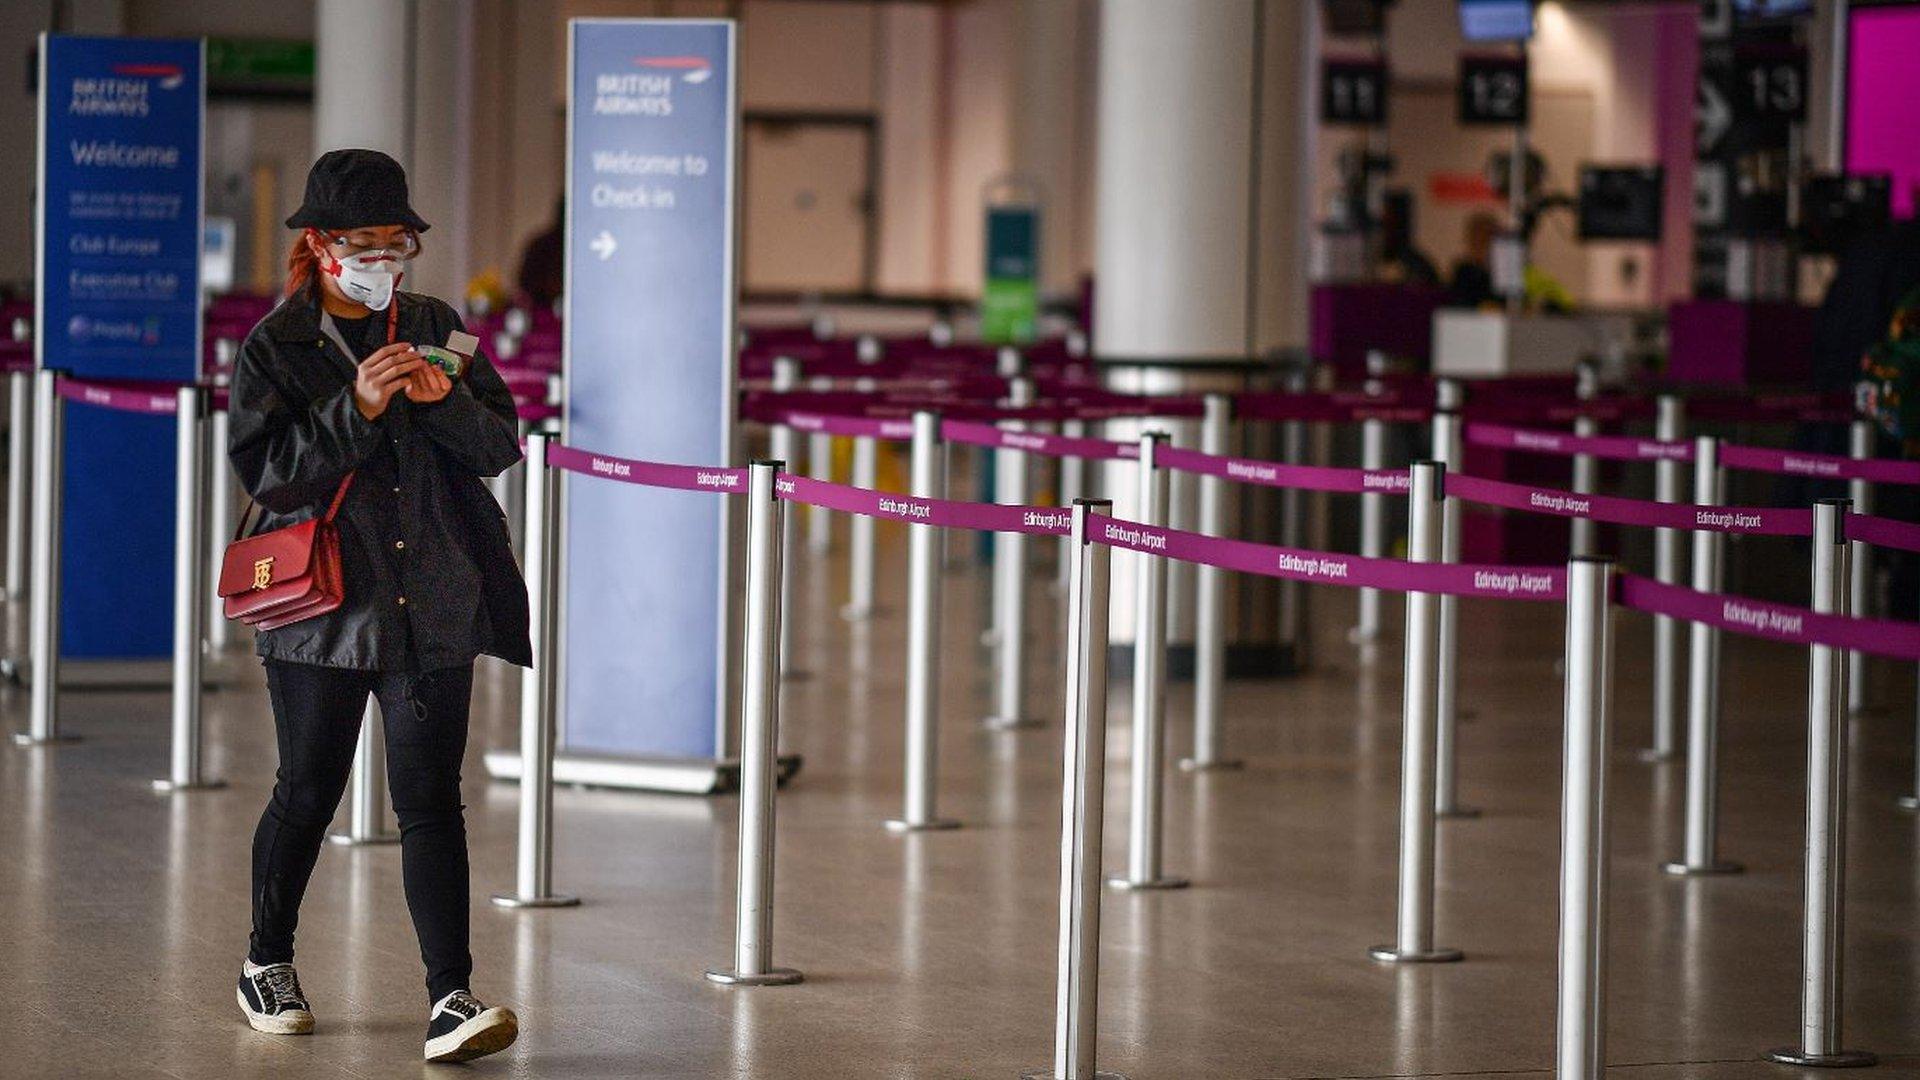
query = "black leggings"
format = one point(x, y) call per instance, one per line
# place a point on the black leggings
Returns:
point(316, 714)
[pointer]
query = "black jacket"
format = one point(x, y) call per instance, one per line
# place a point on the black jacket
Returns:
point(429, 570)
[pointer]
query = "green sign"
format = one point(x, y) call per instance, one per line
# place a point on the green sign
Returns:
point(259, 66)
point(1010, 303)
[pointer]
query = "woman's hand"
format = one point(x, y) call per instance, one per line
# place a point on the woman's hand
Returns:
point(382, 375)
point(428, 385)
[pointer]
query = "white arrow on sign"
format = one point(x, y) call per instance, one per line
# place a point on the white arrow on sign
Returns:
point(603, 245)
point(1715, 116)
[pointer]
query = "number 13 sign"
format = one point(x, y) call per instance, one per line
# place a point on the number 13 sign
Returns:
point(1493, 90)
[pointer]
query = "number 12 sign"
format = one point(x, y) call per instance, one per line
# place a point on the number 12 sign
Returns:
point(1493, 90)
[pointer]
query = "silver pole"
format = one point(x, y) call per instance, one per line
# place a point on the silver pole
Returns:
point(759, 736)
point(1446, 701)
point(860, 534)
point(929, 480)
point(1210, 607)
point(1149, 686)
point(1413, 938)
point(1581, 1018)
point(819, 467)
point(43, 607)
point(219, 631)
point(1822, 940)
point(19, 462)
point(1668, 426)
point(1009, 631)
point(367, 786)
point(1860, 447)
point(1076, 1014)
point(1293, 446)
point(1373, 529)
point(783, 444)
point(1703, 683)
point(1582, 537)
point(1073, 485)
point(189, 583)
point(539, 690)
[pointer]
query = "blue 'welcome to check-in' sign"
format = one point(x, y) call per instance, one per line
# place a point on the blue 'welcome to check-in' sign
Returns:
point(117, 292)
point(649, 326)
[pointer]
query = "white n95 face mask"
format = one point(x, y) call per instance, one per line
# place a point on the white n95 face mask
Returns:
point(368, 279)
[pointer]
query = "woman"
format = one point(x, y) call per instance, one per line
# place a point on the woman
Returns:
point(328, 391)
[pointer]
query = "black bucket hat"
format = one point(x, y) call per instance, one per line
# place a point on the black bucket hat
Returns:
point(351, 189)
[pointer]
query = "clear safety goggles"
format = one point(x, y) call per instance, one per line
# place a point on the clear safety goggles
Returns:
point(366, 246)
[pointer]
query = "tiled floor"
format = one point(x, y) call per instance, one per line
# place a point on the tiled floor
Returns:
point(123, 913)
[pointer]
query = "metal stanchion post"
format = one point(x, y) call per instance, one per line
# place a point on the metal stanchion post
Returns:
point(1703, 684)
point(759, 735)
point(1823, 915)
point(819, 467)
point(1667, 427)
point(43, 608)
point(539, 690)
point(1373, 529)
point(1581, 537)
point(1413, 937)
point(1210, 609)
point(783, 444)
point(1446, 701)
point(219, 632)
point(189, 583)
point(929, 481)
point(860, 534)
point(19, 466)
point(1073, 485)
point(1581, 1029)
point(1144, 825)
point(1293, 598)
point(1860, 447)
point(1009, 631)
point(367, 786)
point(1076, 1015)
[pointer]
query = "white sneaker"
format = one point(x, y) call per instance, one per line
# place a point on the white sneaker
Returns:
point(460, 1028)
point(272, 999)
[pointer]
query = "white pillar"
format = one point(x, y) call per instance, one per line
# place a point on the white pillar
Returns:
point(362, 77)
point(1176, 177)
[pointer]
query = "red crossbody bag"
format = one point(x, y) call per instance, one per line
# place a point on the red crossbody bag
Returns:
point(285, 575)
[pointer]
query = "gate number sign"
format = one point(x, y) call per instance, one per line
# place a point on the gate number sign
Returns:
point(1353, 92)
point(1493, 90)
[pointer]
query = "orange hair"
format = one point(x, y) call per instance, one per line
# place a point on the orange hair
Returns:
point(301, 264)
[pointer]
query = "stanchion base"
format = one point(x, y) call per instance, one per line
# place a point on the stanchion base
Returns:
point(1392, 954)
point(166, 787)
point(1712, 869)
point(1462, 813)
point(350, 840)
point(1049, 1074)
point(1908, 802)
point(1843, 1059)
point(773, 977)
point(507, 901)
point(1007, 723)
point(1188, 764)
point(1657, 757)
point(902, 825)
point(21, 738)
point(1158, 884)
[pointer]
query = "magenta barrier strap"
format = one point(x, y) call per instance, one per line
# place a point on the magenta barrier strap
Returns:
point(1777, 622)
point(1754, 521)
point(855, 426)
point(1825, 466)
point(119, 398)
point(1280, 475)
point(945, 513)
point(1503, 582)
point(648, 473)
point(1612, 447)
point(977, 434)
point(1883, 532)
